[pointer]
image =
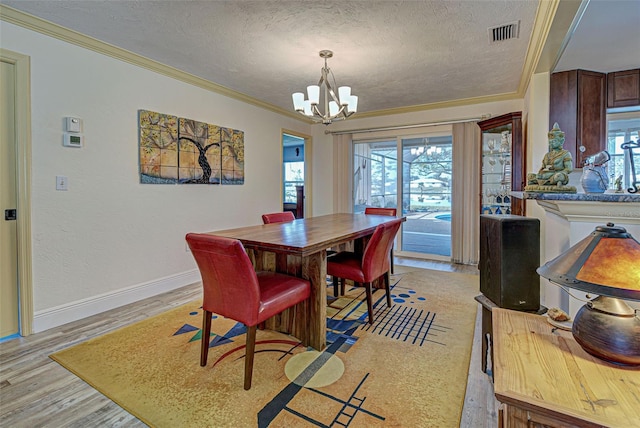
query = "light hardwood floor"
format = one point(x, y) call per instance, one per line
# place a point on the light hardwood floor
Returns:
point(37, 392)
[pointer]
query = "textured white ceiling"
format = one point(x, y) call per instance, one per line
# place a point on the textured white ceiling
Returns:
point(392, 53)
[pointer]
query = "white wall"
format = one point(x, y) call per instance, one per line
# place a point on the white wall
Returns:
point(110, 240)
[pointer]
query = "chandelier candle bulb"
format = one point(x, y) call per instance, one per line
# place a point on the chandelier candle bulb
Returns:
point(307, 108)
point(314, 94)
point(352, 107)
point(298, 101)
point(333, 108)
point(344, 93)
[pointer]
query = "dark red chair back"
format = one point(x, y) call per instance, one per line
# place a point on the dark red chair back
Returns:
point(229, 281)
point(380, 211)
point(375, 259)
point(278, 217)
point(383, 211)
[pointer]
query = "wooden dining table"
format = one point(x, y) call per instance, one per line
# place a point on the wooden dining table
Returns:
point(299, 248)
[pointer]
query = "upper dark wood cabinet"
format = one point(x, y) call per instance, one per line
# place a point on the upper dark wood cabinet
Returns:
point(577, 102)
point(623, 88)
point(503, 164)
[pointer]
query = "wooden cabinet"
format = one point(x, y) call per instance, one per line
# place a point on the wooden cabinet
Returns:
point(577, 103)
point(623, 88)
point(502, 164)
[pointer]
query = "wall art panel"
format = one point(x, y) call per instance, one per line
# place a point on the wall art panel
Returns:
point(177, 150)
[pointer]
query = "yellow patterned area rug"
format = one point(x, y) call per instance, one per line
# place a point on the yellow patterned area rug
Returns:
point(408, 369)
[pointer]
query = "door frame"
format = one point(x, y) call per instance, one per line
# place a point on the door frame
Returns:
point(308, 156)
point(22, 64)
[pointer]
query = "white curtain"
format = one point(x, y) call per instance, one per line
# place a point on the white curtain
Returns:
point(342, 169)
point(465, 216)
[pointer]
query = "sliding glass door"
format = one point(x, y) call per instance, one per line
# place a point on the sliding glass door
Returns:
point(420, 189)
point(375, 175)
point(426, 195)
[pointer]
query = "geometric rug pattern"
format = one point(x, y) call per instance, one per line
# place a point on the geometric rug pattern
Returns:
point(407, 369)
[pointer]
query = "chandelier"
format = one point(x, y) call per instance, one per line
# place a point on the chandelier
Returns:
point(335, 107)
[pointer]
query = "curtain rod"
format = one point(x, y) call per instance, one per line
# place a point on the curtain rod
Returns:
point(417, 125)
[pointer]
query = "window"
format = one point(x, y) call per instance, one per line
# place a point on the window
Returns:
point(293, 176)
point(375, 175)
point(623, 128)
point(292, 166)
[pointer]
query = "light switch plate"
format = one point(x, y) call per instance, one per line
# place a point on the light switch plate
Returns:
point(62, 183)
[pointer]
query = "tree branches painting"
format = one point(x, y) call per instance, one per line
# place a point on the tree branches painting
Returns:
point(176, 150)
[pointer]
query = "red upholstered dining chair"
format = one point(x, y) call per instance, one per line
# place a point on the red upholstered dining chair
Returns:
point(383, 211)
point(233, 289)
point(278, 217)
point(366, 268)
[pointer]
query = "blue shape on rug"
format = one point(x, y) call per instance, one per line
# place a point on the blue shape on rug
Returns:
point(187, 328)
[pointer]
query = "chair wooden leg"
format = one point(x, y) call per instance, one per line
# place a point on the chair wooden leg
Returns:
point(367, 287)
point(248, 359)
point(204, 341)
point(343, 282)
point(335, 286)
point(387, 288)
point(392, 260)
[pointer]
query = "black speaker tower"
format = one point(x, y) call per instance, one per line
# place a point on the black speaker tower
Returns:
point(509, 257)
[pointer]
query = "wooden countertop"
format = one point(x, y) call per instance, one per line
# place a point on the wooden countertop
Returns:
point(542, 369)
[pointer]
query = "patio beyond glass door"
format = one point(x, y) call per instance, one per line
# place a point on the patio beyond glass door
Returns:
point(420, 189)
point(375, 175)
point(426, 195)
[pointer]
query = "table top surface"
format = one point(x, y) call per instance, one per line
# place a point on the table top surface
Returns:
point(307, 235)
point(541, 368)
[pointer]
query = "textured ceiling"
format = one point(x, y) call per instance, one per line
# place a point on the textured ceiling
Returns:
point(393, 54)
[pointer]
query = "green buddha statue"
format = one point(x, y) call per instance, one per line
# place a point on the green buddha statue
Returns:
point(557, 164)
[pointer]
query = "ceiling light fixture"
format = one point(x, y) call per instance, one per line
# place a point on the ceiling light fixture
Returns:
point(336, 106)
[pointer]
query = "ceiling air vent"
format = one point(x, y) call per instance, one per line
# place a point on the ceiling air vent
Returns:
point(504, 32)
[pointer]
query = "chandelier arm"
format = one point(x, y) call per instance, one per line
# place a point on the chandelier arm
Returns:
point(329, 88)
point(341, 112)
point(323, 77)
point(326, 116)
point(316, 110)
point(335, 85)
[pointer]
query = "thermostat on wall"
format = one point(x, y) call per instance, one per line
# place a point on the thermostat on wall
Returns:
point(72, 140)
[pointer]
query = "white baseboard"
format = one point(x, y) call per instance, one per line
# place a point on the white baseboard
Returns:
point(63, 314)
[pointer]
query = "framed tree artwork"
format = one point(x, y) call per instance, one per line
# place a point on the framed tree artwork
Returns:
point(175, 150)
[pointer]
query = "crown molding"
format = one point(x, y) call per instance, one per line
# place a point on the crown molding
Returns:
point(441, 105)
point(542, 25)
